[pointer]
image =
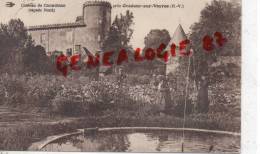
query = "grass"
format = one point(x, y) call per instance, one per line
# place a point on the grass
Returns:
point(20, 138)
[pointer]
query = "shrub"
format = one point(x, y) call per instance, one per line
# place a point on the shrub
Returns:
point(139, 79)
point(178, 109)
point(92, 97)
point(13, 89)
point(72, 99)
point(29, 90)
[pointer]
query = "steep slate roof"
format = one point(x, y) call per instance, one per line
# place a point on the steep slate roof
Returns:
point(178, 36)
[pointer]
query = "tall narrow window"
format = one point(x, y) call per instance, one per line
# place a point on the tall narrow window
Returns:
point(99, 21)
point(77, 48)
point(42, 37)
point(69, 36)
point(69, 52)
point(99, 38)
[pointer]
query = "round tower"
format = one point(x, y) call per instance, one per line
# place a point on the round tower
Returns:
point(97, 17)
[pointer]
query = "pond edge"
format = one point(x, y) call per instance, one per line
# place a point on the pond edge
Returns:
point(41, 144)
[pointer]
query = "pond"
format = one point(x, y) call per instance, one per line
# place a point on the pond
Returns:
point(146, 141)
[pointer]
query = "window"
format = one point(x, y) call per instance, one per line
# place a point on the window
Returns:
point(77, 48)
point(99, 38)
point(42, 37)
point(69, 52)
point(69, 36)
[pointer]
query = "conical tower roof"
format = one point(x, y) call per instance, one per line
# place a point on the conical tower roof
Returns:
point(178, 36)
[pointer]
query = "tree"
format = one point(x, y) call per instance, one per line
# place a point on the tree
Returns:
point(221, 17)
point(35, 60)
point(14, 40)
point(156, 37)
point(119, 34)
point(153, 40)
point(18, 54)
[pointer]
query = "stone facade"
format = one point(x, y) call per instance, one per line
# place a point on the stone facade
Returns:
point(88, 31)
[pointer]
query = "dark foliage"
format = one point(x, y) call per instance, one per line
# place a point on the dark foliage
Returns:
point(225, 18)
point(18, 54)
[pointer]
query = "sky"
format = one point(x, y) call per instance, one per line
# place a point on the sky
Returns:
point(145, 19)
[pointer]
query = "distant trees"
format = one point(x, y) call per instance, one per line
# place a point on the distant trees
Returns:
point(18, 54)
point(156, 37)
point(153, 40)
point(221, 17)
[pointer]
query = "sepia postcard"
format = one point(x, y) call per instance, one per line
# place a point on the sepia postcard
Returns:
point(120, 76)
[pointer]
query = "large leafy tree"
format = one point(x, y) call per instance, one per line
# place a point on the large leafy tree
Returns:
point(35, 60)
point(18, 53)
point(120, 32)
point(119, 35)
point(14, 40)
point(156, 37)
point(221, 17)
point(153, 40)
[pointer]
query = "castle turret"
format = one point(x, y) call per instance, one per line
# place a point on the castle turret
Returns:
point(97, 17)
point(178, 36)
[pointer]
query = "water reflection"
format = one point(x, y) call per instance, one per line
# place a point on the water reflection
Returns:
point(152, 141)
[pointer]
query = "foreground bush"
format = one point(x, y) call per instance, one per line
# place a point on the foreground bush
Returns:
point(75, 96)
point(28, 90)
